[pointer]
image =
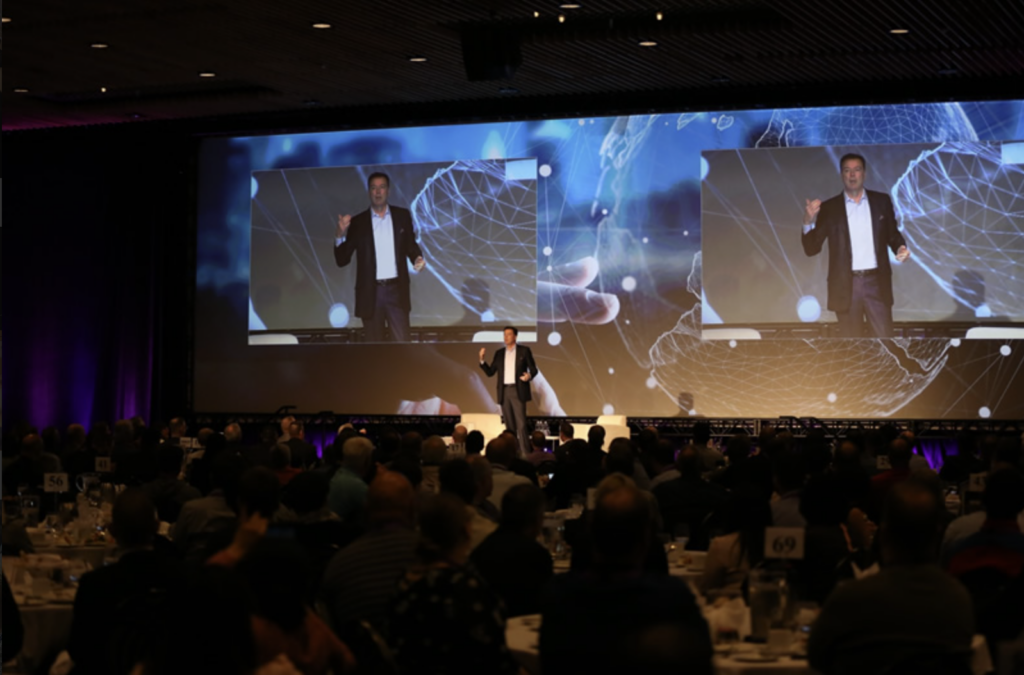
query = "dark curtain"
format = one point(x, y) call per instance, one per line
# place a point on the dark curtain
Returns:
point(98, 274)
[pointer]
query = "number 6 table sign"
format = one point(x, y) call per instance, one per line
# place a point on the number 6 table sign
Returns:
point(784, 542)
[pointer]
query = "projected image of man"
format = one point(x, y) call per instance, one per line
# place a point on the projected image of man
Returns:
point(382, 239)
point(859, 224)
point(515, 368)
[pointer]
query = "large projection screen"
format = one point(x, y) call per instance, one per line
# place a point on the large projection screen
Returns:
point(629, 279)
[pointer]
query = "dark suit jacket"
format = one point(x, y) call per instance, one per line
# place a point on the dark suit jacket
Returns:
point(303, 453)
point(524, 362)
point(359, 241)
point(832, 225)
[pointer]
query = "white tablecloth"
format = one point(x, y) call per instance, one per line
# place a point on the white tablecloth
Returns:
point(47, 626)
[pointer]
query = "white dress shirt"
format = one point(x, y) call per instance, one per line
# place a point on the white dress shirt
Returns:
point(510, 365)
point(862, 238)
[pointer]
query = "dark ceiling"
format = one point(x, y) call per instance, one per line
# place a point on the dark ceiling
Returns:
point(272, 65)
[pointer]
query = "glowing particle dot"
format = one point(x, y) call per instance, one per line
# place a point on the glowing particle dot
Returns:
point(547, 250)
point(732, 343)
point(628, 284)
point(627, 322)
point(550, 268)
point(651, 383)
point(808, 309)
point(984, 412)
point(831, 397)
point(611, 371)
point(686, 233)
point(544, 170)
point(955, 342)
point(645, 240)
point(554, 338)
point(608, 409)
point(338, 315)
point(582, 122)
point(1005, 350)
point(604, 212)
point(714, 120)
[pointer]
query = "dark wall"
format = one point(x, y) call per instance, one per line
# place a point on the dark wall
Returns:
point(99, 274)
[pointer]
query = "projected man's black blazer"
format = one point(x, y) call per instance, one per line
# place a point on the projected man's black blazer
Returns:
point(832, 225)
point(359, 241)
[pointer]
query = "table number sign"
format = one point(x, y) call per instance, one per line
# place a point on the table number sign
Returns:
point(55, 482)
point(784, 542)
point(976, 482)
point(103, 465)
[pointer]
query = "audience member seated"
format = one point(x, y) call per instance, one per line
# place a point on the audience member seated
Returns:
point(256, 503)
point(361, 578)
point(590, 620)
point(595, 442)
point(332, 455)
point(205, 629)
point(259, 454)
point(281, 463)
point(475, 442)
point(29, 467)
point(347, 497)
point(957, 469)
point(78, 457)
point(663, 462)
point(165, 491)
point(988, 561)
point(829, 550)
point(501, 452)
point(303, 454)
point(711, 457)
point(132, 465)
point(276, 573)
point(511, 560)
point(444, 618)
point(579, 532)
point(318, 530)
point(471, 482)
point(690, 500)
point(457, 449)
point(577, 470)
point(518, 465)
point(899, 460)
point(433, 455)
point(737, 452)
point(201, 518)
point(732, 555)
point(789, 474)
point(200, 462)
point(113, 602)
point(538, 451)
point(910, 613)
point(13, 631)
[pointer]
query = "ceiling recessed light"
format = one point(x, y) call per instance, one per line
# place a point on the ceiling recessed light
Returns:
point(536, 15)
point(648, 43)
point(21, 90)
point(899, 31)
point(418, 59)
point(207, 73)
point(103, 90)
point(99, 45)
point(321, 25)
point(569, 5)
point(659, 16)
point(561, 18)
point(6, 19)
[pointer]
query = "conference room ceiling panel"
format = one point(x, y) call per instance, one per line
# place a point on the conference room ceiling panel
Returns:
point(73, 63)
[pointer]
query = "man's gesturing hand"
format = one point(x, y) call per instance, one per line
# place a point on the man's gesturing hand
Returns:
point(343, 223)
point(419, 264)
point(483, 353)
point(525, 377)
point(811, 209)
point(902, 254)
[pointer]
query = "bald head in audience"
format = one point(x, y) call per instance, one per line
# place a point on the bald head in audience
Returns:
point(391, 498)
point(911, 523)
point(460, 433)
point(621, 529)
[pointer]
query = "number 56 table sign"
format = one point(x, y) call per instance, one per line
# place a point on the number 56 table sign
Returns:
point(784, 542)
point(55, 482)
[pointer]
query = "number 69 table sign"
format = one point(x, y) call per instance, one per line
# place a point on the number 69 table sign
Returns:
point(784, 542)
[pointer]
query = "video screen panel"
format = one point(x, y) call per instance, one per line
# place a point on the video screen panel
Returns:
point(620, 269)
point(959, 210)
point(473, 222)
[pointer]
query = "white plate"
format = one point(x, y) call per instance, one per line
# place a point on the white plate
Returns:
point(754, 658)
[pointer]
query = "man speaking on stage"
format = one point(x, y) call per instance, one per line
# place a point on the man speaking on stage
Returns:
point(859, 224)
point(515, 368)
point(382, 238)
